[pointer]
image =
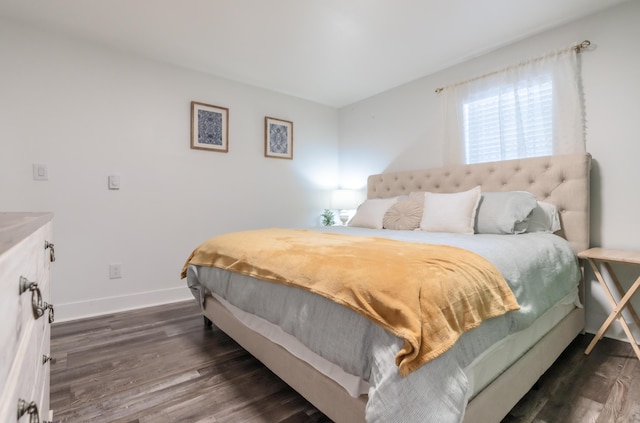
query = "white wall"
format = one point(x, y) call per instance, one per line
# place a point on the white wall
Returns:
point(400, 129)
point(87, 112)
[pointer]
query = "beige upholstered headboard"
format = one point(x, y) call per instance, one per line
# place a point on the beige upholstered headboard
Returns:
point(562, 180)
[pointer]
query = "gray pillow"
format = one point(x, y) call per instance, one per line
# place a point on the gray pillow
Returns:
point(504, 212)
point(544, 218)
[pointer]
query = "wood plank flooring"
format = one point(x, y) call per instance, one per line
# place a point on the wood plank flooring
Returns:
point(161, 364)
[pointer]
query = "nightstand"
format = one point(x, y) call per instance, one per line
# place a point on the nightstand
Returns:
point(604, 257)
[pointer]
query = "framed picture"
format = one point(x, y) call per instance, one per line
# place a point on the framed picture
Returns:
point(209, 127)
point(278, 138)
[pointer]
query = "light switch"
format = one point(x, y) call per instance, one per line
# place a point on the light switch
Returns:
point(40, 172)
point(115, 271)
point(114, 182)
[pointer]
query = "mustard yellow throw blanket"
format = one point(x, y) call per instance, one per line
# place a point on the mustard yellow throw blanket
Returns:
point(426, 294)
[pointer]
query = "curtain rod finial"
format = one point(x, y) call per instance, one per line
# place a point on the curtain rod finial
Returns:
point(584, 44)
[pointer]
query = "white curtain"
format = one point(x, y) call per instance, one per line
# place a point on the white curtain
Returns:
point(531, 109)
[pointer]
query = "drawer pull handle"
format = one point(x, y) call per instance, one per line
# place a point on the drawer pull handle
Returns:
point(52, 251)
point(36, 297)
point(26, 285)
point(28, 407)
point(46, 358)
point(49, 307)
point(39, 307)
point(36, 302)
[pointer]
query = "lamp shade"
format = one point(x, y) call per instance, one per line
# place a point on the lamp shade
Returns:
point(345, 199)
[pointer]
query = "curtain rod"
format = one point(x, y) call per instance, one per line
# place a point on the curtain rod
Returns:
point(577, 47)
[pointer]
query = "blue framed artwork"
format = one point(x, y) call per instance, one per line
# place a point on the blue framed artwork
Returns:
point(278, 138)
point(209, 127)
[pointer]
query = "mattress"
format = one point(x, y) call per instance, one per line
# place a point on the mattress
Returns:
point(497, 358)
point(482, 370)
point(541, 270)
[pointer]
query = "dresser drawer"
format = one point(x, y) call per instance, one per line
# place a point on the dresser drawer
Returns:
point(20, 261)
point(41, 264)
point(41, 387)
point(21, 381)
point(28, 259)
point(43, 326)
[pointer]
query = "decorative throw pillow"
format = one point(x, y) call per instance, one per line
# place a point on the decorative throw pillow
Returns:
point(371, 213)
point(404, 215)
point(544, 218)
point(504, 212)
point(454, 212)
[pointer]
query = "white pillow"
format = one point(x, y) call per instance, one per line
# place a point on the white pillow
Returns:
point(371, 213)
point(544, 218)
point(454, 212)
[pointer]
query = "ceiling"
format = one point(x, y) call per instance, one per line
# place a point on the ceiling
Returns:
point(334, 52)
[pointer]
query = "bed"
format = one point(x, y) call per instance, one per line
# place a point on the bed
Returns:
point(492, 375)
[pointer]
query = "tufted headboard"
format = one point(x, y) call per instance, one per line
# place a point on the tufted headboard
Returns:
point(562, 180)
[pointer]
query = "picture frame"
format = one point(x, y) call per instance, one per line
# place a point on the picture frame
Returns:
point(278, 138)
point(209, 127)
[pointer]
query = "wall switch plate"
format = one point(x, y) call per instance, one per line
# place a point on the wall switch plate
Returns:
point(40, 172)
point(114, 182)
point(115, 271)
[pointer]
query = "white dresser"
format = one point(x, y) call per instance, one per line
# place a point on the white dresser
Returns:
point(26, 254)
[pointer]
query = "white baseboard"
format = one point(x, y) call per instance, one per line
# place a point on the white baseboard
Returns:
point(101, 306)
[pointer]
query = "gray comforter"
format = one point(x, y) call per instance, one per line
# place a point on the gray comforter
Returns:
point(541, 269)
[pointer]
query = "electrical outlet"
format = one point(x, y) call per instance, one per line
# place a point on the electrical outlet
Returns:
point(115, 271)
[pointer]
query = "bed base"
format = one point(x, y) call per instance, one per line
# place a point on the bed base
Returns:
point(324, 393)
point(489, 406)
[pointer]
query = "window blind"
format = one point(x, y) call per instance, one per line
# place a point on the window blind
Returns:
point(526, 110)
point(509, 122)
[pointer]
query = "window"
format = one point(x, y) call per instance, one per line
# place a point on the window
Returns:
point(527, 110)
point(509, 122)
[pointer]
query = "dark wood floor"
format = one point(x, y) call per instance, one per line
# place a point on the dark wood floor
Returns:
point(161, 364)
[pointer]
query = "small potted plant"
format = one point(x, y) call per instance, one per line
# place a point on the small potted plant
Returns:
point(327, 218)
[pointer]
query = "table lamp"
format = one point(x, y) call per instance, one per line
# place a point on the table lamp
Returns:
point(344, 200)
